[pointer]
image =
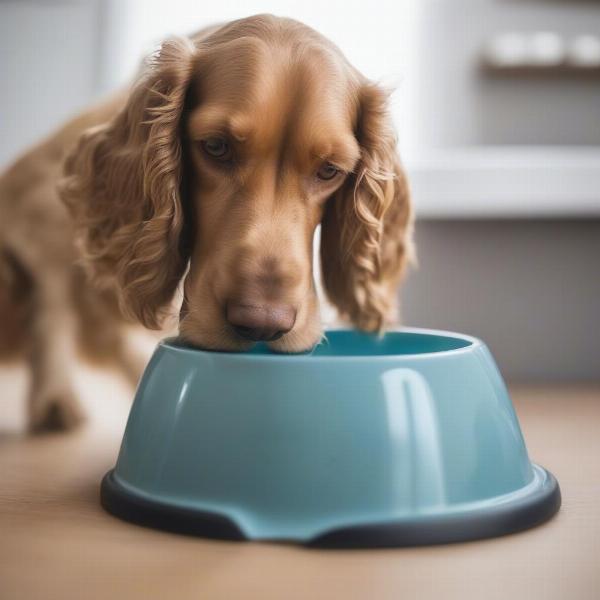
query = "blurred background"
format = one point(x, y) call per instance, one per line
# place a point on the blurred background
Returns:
point(497, 105)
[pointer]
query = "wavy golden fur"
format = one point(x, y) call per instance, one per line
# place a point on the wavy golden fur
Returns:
point(366, 230)
point(122, 187)
point(215, 169)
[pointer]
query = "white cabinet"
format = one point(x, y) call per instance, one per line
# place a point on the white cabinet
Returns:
point(487, 145)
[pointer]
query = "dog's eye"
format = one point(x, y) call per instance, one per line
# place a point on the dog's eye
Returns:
point(327, 171)
point(216, 147)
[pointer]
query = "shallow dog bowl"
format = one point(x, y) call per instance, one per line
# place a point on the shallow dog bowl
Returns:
point(365, 441)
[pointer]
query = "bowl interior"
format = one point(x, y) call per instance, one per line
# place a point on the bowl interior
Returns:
point(394, 343)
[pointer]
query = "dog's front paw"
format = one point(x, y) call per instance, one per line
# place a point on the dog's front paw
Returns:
point(54, 410)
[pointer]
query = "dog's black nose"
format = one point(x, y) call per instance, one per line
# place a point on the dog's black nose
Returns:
point(263, 322)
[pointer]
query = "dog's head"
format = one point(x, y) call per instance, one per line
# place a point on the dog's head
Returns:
point(228, 154)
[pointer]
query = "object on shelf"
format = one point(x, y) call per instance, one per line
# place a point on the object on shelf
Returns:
point(542, 53)
point(584, 52)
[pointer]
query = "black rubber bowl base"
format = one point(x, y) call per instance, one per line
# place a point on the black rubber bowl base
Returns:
point(528, 512)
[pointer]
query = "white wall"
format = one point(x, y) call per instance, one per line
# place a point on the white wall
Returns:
point(48, 67)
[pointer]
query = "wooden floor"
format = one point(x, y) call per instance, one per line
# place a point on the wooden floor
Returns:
point(56, 541)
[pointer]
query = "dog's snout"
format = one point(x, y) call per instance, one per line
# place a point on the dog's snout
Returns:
point(263, 322)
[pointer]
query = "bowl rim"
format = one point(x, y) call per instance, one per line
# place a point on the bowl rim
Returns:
point(173, 345)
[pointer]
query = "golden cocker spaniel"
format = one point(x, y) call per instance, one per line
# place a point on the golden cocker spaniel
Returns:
point(215, 169)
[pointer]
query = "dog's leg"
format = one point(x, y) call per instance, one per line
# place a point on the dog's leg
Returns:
point(15, 290)
point(53, 403)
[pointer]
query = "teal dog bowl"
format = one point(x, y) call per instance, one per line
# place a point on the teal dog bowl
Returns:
point(402, 440)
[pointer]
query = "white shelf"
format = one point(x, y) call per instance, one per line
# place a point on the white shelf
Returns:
point(507, 182)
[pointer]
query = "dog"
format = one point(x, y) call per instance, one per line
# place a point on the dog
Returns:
point(209, 175)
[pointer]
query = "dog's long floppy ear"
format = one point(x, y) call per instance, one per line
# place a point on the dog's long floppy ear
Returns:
point(367, 225)
point(122, 186)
